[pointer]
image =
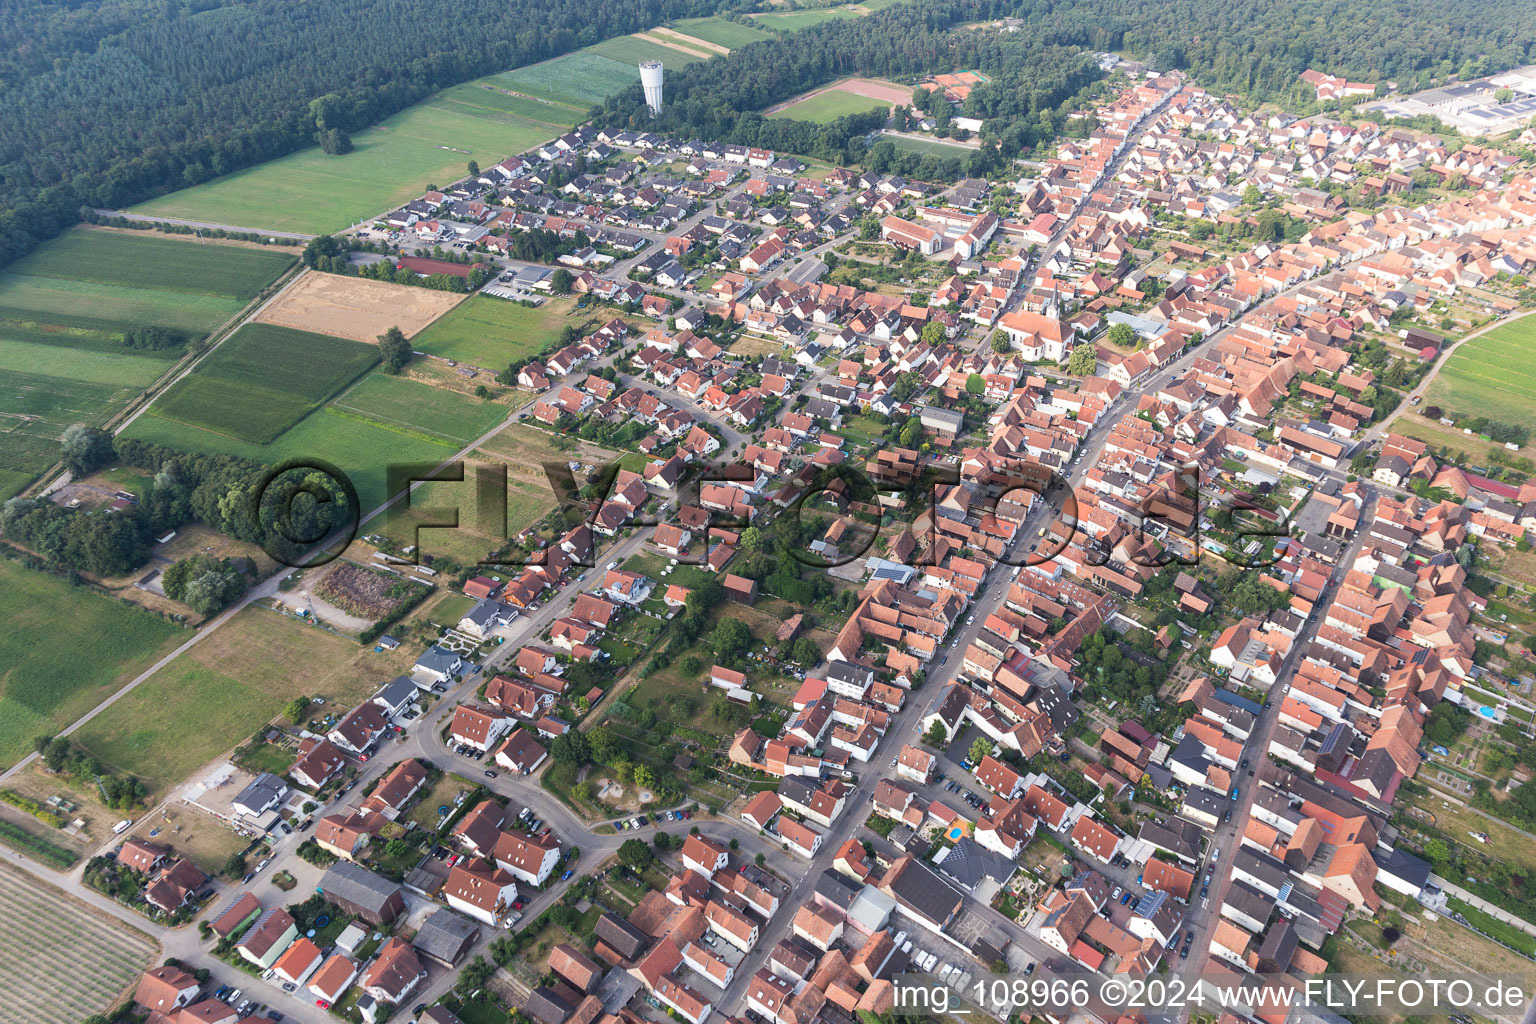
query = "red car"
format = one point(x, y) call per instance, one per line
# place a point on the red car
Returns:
point(324, 1004)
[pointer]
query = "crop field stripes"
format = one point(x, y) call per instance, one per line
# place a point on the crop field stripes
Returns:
point(44, 928)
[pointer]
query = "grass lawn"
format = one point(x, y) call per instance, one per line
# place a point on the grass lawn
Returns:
point(1508, 934)
point(793, 21)
point(222, 691)
point(492, 332)
point(1471, 448)
point(720, 31)
point(829, 106)
point(64, 650)
point(412, 407)
point(442, 793)
point(1492, 376)
point(634, 49)
point(430, 143)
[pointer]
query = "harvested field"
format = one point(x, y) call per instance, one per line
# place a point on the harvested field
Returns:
point(45, 926)
point(350, 307)
point(692, 42)
point(360, 591)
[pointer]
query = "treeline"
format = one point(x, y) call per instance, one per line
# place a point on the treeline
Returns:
point(333, 255)
point(1250, 47)
point(109, 102)
point(90, 216)
point(235, 496)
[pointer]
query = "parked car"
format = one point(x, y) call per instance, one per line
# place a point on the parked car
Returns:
point(490, 774)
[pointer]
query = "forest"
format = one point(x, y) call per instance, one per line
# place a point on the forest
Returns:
point(108, 102)
point(1255, 48)
point(104, 103)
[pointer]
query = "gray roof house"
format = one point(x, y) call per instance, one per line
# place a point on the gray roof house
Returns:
point(372, 897)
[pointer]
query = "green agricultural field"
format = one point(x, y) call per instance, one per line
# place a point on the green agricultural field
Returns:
point(64, 650)
point(383, 420)
point(430, 143)
point(484, 94)
point(719, 31)
point(360, 449)
point(263, 380)
point(794, 21)
point(633, 50)
point(36, 408)
point(829, 106)
point(64, 310)
point(492, 332)
point(1492, 376)
point(145, 261)
point(411, 407)
point(582, 78)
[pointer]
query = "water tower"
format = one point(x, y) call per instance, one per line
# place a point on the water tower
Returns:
point(650, 81)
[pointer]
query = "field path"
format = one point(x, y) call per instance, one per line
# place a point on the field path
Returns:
point(141, 218)
point(689, 42)
point(1406, 404)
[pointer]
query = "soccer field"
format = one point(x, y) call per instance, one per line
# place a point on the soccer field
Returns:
point(828, 106)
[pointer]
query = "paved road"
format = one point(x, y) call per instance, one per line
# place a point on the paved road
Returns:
point(206, 225)
point(1228, 835)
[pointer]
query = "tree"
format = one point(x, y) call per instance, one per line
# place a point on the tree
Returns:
point(397, 848)
point(804, 652)
point(980, 747)
point(1083, 361)
point(1122, 335)
point(633, 853)
point(561, 281)
point(751, 540)
point(975, 384)
point(933, 333)
point(85, 449)
point(1000, 342)
point(644, 777)
point(1252, 196)
point(730, 639)
point(662, 842)
point(937, 734)
point(203, 583)
point(297, 709)
point(474, 169)
point(912, 432)
point(571, 747)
